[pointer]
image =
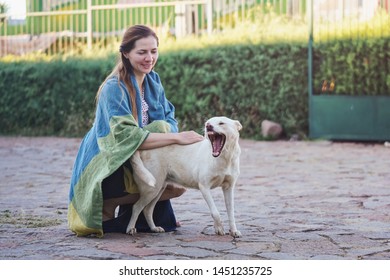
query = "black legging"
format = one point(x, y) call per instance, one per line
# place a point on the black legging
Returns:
point(114, 185)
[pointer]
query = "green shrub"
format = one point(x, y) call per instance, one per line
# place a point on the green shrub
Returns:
point(49, 98)
point(249, 83)
point(356, 67)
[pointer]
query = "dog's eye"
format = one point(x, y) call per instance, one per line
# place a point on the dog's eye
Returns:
point(221, 123)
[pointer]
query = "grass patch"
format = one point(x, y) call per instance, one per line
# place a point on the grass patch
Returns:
point(21, 219)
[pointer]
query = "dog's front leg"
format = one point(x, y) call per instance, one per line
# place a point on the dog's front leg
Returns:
point(229, 202)
point(213, 209)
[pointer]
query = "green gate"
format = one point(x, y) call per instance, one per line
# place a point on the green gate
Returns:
point(348, 70)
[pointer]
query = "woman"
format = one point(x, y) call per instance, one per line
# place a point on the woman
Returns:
point(132, 113)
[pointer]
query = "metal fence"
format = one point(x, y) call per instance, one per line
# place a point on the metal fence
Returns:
point(62, 26)
point(57, 26)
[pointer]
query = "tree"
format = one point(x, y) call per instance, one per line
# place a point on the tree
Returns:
point(3, 11)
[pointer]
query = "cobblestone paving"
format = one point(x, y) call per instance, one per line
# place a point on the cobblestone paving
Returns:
point(294, 200)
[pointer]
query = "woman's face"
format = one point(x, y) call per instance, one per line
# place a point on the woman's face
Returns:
point(144, 55)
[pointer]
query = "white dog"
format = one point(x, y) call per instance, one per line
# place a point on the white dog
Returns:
point(204, 165)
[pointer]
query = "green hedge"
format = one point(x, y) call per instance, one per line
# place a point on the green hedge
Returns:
point(359, 67)
point(49, 98)
point(247, 82)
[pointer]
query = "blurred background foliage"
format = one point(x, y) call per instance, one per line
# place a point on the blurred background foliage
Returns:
point(252, 70)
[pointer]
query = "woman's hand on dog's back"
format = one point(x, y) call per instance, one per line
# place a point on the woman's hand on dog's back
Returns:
point(188, 137)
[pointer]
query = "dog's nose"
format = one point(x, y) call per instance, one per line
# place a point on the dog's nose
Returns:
point(209, 127)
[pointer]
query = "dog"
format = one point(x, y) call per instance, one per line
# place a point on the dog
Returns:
point(204, 165)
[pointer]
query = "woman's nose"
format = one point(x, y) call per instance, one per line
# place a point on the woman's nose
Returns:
point(149, 56)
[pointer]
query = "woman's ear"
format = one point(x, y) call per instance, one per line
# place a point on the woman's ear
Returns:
point(126, 54)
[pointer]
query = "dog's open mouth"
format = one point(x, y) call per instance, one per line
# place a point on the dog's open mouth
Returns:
point(217, 142)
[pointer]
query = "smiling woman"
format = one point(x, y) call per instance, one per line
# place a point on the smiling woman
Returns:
point(132, 113)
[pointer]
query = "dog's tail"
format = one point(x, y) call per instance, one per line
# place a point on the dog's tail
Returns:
point(140, 170)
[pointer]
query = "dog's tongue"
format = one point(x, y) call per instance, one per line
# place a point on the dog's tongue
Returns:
point(217, 145)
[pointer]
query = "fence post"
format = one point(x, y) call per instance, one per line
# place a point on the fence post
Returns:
point(310, 57)
point(89, 24)
point(209, 16)
point(180, 20)
point(310, 46)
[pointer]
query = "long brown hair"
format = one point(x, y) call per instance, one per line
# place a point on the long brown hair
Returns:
point(123, 68)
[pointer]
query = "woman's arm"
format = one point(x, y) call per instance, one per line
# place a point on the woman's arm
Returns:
point(157, 140)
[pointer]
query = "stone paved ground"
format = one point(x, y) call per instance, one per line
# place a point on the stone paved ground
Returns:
point(294, 200)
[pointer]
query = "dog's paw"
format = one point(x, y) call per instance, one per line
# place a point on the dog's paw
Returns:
point(219, 230)
point(131, 231)
point(157, 229)
point(236, 234)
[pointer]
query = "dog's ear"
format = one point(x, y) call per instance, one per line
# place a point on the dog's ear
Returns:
point(238, 125)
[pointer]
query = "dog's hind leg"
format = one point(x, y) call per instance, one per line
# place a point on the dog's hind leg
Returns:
point(229, 202)
point(137, 208)
point(146, 198)
point(148, 213)
point(213, 209)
